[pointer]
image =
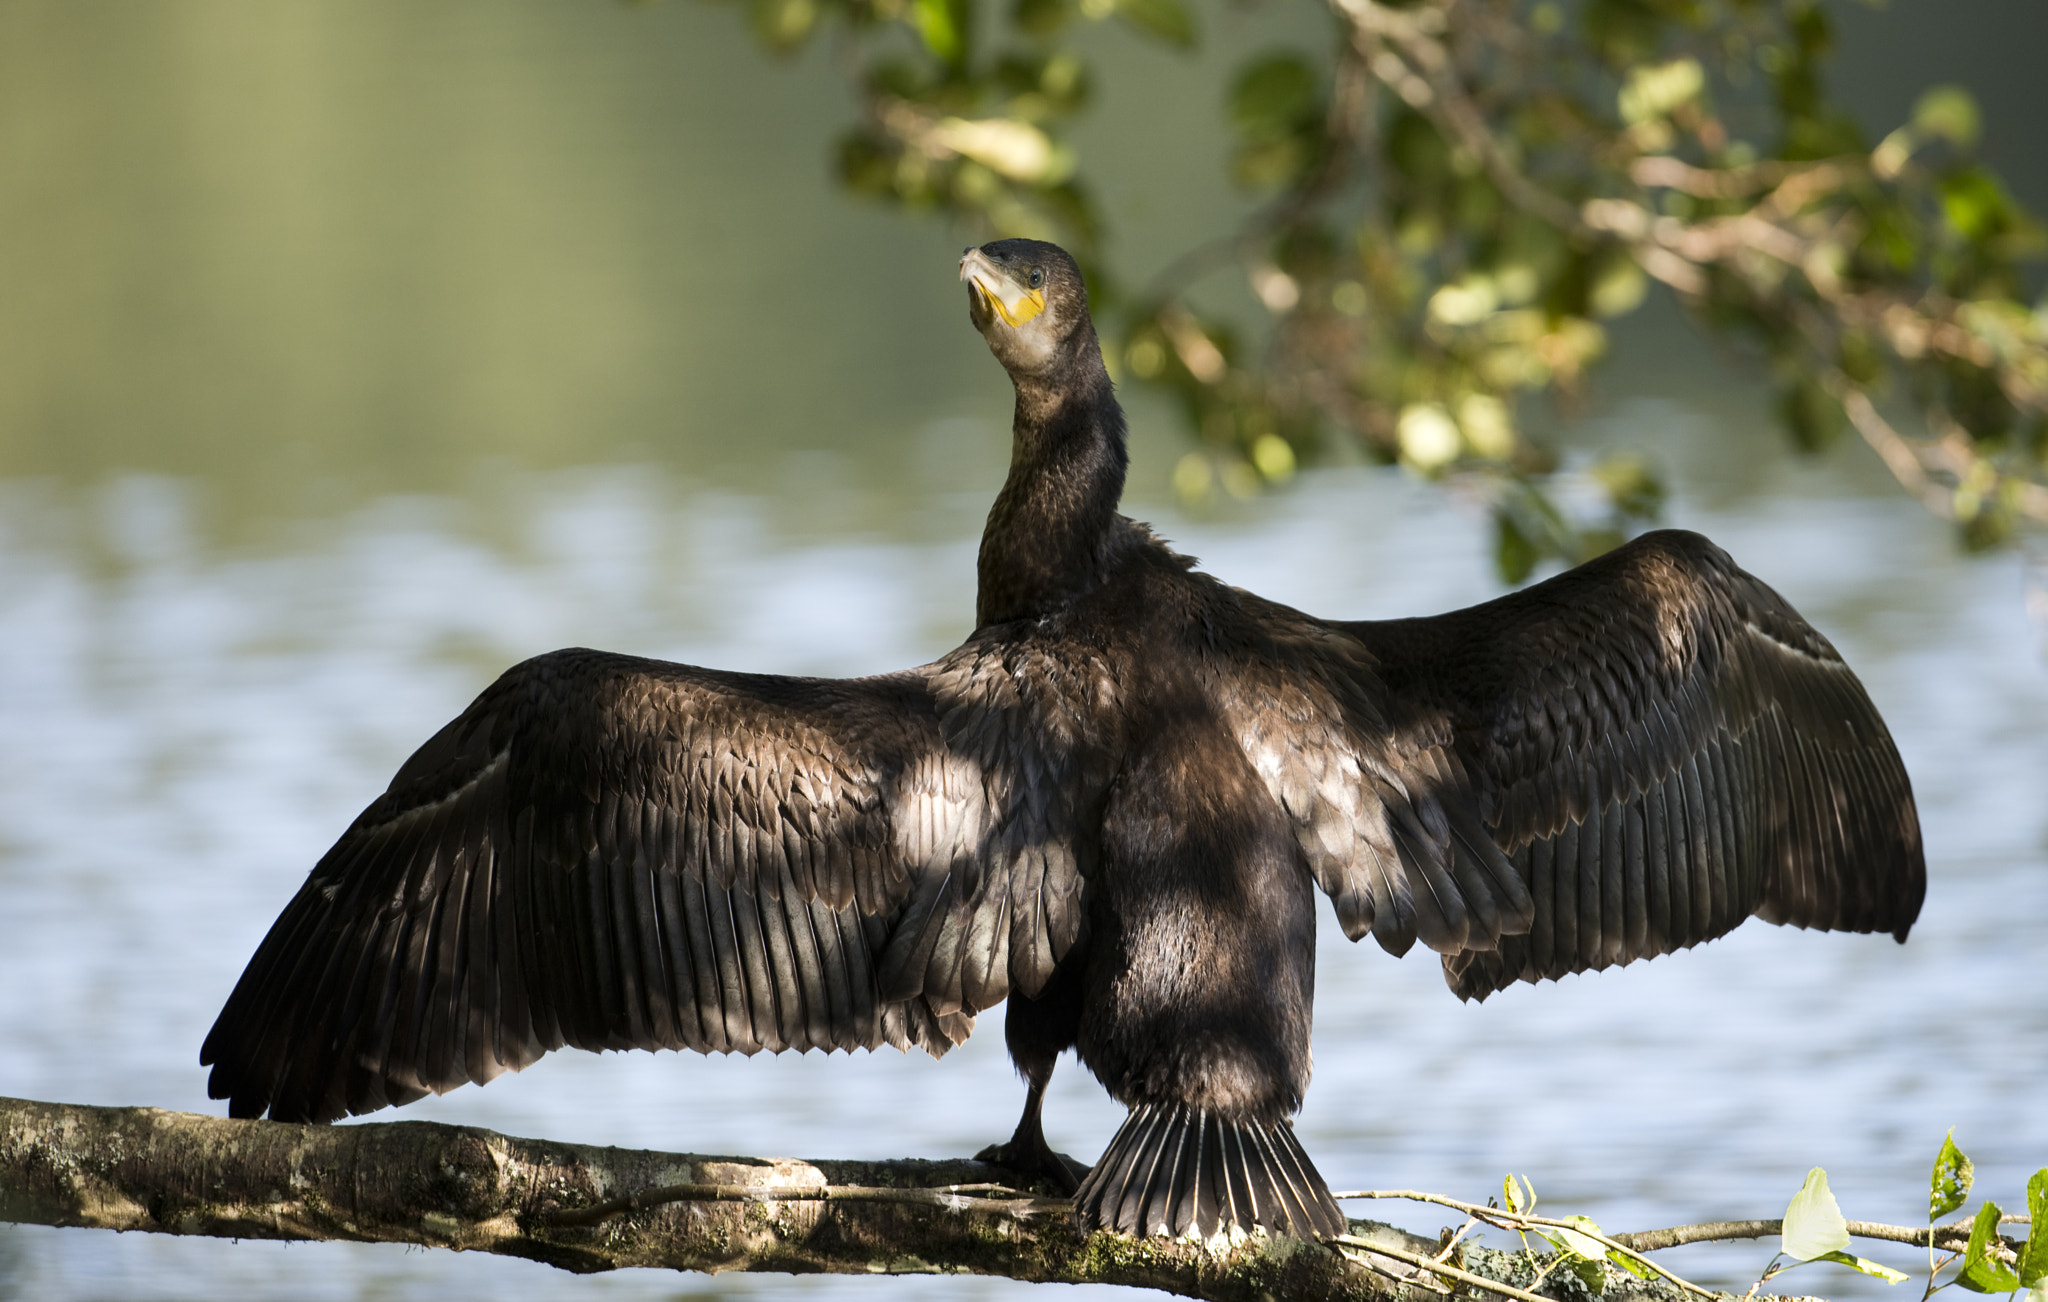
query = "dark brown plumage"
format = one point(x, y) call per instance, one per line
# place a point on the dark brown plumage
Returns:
point(1109, 805)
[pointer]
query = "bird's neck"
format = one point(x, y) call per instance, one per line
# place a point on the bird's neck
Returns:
point(1050, 531)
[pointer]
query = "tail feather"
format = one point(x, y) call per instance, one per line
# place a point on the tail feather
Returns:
point(1172, 1168)
point(1238, 1172)
point(1212, 1187)
point(1300, 1189)
point(1140, 1156)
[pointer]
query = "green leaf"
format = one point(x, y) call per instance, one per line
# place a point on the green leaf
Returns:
point(1866, 1265)
point(1632, 1265)
point(1528, 528)
point(1982, 1272)
point(1652, 92)
point(782, 25)
point(1169, 20)
point(1415, 148)
point(1578, 1243)
point(1016, 149)
point(1631, 485)
point(1950, 1186)
point(1583, 1257)
point(1976, 203)
point(1948, 112)
point(1039, 17)
point(943, 26)
point(1590, 1273)
point(1270, 164)
point(1616, 286)
point(1582, 1248)
point(1272, 96)
point(2033, 1267)
point(1813, 1222)
point(1811, 414)
point(1517, 1194)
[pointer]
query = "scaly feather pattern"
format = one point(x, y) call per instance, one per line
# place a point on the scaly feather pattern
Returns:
point(612, 853)
point(1392, 836)
point(1663, 747)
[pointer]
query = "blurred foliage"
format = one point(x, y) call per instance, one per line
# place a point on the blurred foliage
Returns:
point(1459, 195)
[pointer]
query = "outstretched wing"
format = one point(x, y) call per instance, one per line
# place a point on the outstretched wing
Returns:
point(1391, 831)
point(610, 852)
point(1663, 747)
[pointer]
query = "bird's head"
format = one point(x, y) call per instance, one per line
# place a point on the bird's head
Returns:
point(1027, 299)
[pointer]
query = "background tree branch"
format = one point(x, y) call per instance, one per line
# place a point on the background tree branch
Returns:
point(1460, 193)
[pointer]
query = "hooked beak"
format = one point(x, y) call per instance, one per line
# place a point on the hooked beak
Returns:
point(997, 293)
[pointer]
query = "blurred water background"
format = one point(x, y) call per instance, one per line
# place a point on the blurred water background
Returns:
point(349, 353)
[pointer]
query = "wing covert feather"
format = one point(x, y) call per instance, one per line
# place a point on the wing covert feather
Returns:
point(610, 853)
point(1662, 746)
point(1390, 834)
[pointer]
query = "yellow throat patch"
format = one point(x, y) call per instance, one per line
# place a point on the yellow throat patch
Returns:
point(1026, 304)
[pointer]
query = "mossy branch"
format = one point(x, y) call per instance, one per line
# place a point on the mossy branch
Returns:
point(585, 1208)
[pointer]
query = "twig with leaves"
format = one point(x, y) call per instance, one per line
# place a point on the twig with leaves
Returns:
point(1577, 1237)
point(1812, 1229)
point(1460, 194)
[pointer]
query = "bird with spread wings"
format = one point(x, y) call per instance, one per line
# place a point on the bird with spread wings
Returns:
point(1111, 806)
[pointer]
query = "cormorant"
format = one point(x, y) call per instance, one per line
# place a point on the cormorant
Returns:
point(1111, 804)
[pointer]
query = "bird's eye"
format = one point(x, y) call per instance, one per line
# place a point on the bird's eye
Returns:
point(1037, 278)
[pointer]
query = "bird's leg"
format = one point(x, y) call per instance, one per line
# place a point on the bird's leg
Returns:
point(1037, 1030)
point(1027, 1152)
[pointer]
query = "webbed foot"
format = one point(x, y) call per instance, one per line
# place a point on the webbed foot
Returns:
point(1031, 1155)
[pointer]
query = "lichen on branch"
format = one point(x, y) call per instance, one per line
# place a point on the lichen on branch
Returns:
point(573, 1206)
